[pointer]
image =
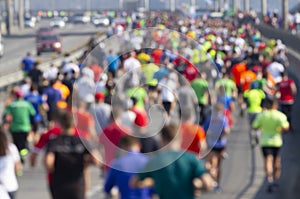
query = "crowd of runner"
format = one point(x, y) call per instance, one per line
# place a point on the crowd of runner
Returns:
point(95, 110)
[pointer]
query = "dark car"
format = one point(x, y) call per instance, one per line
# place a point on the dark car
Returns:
point(45, 30)
point(48, 43)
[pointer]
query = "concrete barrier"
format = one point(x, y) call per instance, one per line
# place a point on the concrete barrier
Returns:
point(290, 40)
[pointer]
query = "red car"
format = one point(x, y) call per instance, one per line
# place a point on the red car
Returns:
point(48, 43)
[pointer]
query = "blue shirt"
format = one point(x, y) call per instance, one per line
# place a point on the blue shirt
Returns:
point(112, 61)
point(28, 63)
point(225, 100)
point(36, 100)
point(53, 96)
point(214, 128)
point(122, 169)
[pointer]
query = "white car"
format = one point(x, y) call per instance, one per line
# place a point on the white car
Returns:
point(58, 23)
point(101, 20)
point(28, 23)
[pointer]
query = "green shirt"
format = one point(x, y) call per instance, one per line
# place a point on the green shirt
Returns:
point(173, 173)
point(20, 110)
point(228, 84)
point(139, 93)
point(254, 98)
point(149, 70)
point(270, 122)
point(200, 87)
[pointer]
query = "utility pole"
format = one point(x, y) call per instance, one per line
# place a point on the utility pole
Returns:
point(264, 8)
point(285, 13)
point(246, 5)
point(9, 17)
point(217, 6)
point(21, 14)
point(172, 5)
point(236, 6)
point(221, 5)
point(120, 5)
point(193, 3)
point(147, 6)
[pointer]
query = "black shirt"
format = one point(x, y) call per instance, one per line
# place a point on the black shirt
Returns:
point(69, 154)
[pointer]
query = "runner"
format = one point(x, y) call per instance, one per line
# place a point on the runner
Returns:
point(123, 168)
point(172, 179)
point(200, 86)
point(27, 63)
point(254, 99)
point(193, 136)
point(287, 91)
point(67, 157)
point(217, 129)
point(20, 112)
point(271, 123)
point(10, 166)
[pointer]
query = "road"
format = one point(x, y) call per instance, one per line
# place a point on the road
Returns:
point(242, 176)
point(17, 45)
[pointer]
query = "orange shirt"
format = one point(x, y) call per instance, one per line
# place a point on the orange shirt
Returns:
point(192, 135)
point(65, 92)
point(247, 78)
point(83, 121)
point(236, 71)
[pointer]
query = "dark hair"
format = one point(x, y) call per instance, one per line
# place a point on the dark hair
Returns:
point(168, 132)
point(3, 143)
point(128, 141)
point(66, 120)
point(34, 87)
point(270, 103)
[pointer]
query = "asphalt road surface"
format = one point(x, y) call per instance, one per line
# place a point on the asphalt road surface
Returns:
point(242, 174)
point(17, 45)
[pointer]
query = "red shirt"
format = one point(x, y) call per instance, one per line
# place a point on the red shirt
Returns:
point(156, 55)
point(192, 135)
point(110, 140)
point(285, 89)
point(190, 72)
point(141, 118)
point(46, 137)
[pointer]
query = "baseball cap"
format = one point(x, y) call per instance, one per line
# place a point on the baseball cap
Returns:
point(18, 93)
point(99, 96)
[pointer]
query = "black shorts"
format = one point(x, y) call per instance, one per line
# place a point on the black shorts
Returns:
point(167, 106)
point(35, 126)
point(218, 150)
point(274, 151)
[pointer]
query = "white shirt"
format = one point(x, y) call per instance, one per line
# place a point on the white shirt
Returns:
point(168, 87)
point(7, 169)
point(51, 73)
point(275, 69)
point(3, 193)
point(127, 119)
point(132, 64)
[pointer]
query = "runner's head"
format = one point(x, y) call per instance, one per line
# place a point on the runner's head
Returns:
point(130, 143)
point(66, 121)
point(168, 134)
point(271, 104)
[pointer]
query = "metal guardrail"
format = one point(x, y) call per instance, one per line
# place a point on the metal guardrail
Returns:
point(16, 77)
